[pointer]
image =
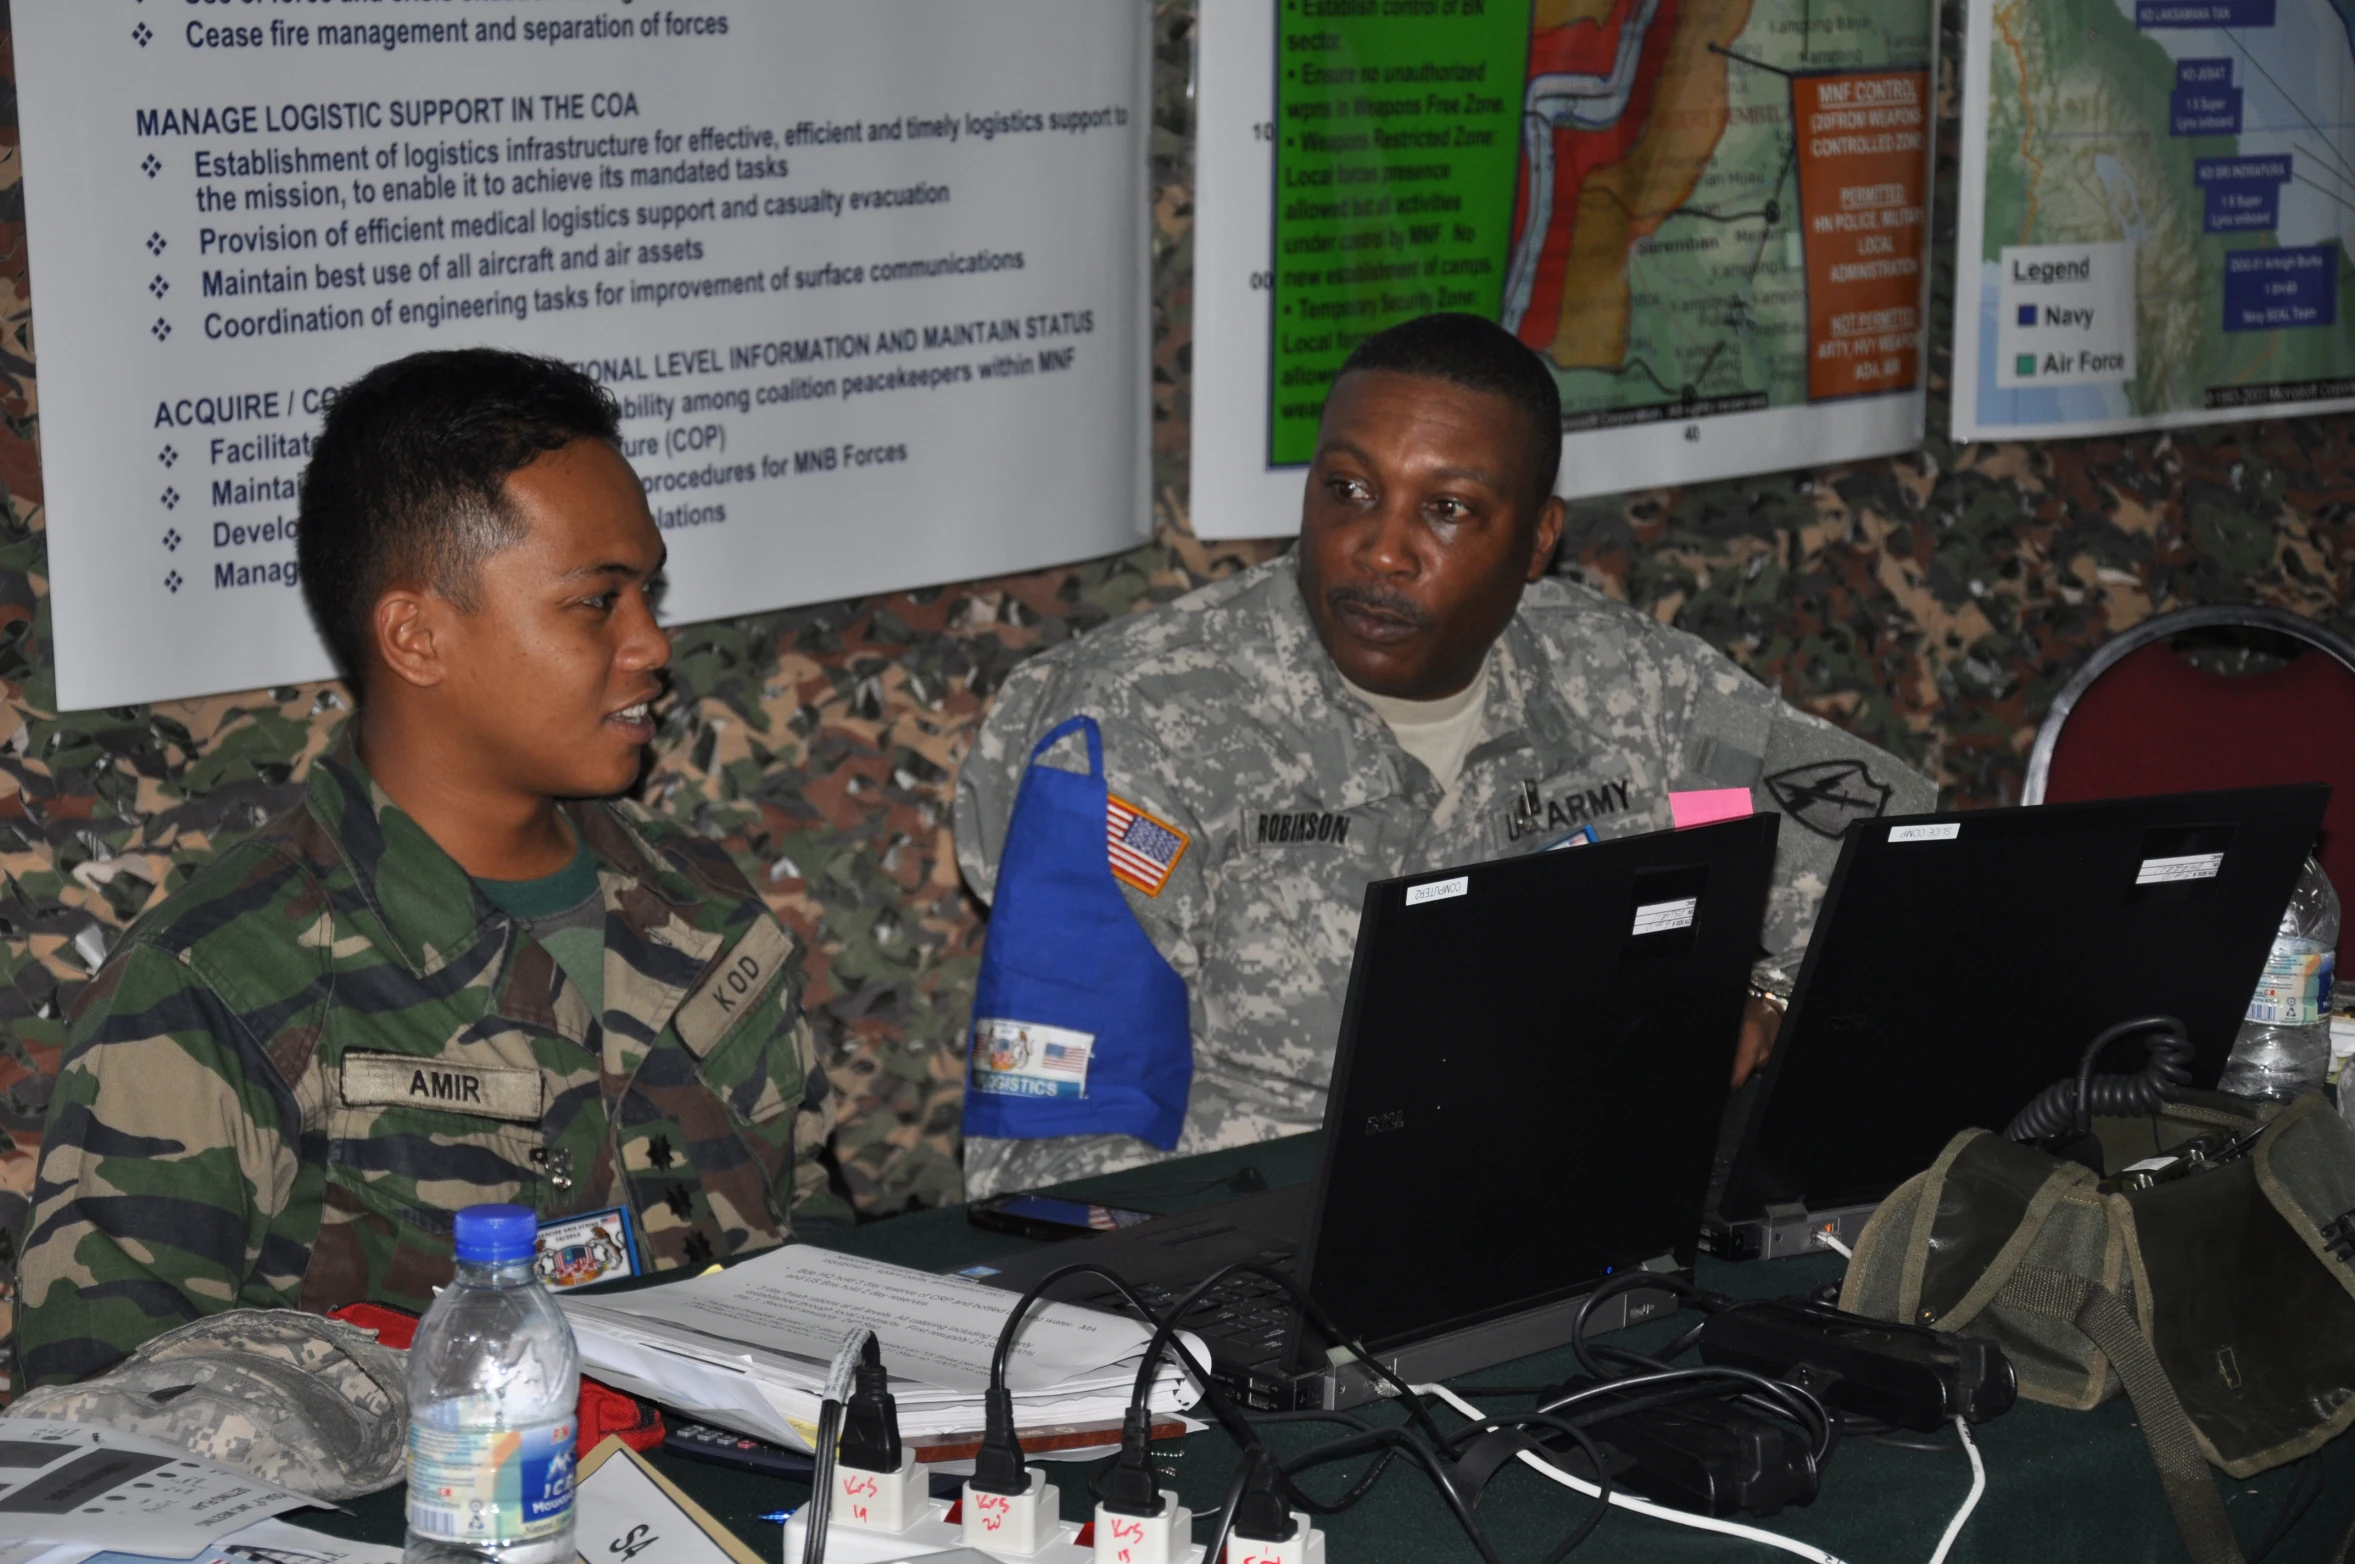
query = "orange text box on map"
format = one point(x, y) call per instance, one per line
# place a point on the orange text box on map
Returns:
point(1864, 174)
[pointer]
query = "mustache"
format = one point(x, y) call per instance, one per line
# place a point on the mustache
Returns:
point(1389, 605)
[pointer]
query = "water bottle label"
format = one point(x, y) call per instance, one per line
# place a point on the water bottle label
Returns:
point(490, 1486)
point(2295, 990)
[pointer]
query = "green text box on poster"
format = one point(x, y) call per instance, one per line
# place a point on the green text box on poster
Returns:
point(1398, 144)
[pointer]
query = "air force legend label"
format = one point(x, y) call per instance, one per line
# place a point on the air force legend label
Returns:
point(2065, 315)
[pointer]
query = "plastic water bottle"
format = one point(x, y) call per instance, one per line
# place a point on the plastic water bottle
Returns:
point(494, 1398)
point(2283, 1050)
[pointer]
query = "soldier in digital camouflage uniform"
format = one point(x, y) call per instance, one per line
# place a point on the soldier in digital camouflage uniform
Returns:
point(444, 978)
point(1226, 720)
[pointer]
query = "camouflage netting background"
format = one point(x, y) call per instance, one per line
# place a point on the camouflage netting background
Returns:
point(1933, 602)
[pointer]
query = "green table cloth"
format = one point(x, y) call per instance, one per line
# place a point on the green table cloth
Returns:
point(2073, 1486)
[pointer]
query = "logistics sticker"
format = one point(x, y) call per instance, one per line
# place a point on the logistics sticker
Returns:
point(1027, 1059)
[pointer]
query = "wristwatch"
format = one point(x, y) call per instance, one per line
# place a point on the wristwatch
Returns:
point(1772, 984)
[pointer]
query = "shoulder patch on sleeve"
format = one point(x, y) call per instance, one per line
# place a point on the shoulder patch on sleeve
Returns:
point(738, 981)
point(1144, 848)
point(1827, 796)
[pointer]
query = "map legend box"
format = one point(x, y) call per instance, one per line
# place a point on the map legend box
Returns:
point(2066, 314)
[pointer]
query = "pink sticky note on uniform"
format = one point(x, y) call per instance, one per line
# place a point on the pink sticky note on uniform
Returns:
point(1708, 805)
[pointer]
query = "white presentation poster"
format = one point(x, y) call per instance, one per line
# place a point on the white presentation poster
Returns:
point(2156, 206)
point(1711, 218)
point(868, 278)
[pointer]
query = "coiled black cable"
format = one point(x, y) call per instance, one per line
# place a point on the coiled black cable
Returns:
point(2071, 1104)
point(1766, 1396)
point(1436, 1462)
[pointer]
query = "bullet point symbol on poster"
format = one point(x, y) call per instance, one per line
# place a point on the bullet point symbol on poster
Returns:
point(168, 455)
point(172, 582)
point(171, 499)
point(155, 244)
point(159, 287)
point(172, 540)
point(162, 329)
point(140, 35)
point(151, 165)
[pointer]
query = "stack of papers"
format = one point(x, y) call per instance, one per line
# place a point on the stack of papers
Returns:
point(73, 1491)
point(271, 1542)
point(749, 1348)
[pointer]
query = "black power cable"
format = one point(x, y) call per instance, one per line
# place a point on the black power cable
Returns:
point(1256, 1460)
point(818, 1514)
point(1309, 1308)
point(1366, 1438)
point(2071, 1104)
point(1263, 1493)
point(1771, 1397)
point(1136, 1449)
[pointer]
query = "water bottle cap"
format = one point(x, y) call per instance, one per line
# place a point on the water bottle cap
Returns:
point(489, 1234)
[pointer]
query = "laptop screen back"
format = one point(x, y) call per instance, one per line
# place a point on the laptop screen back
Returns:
point(1962, 963)
point(1532, 1064)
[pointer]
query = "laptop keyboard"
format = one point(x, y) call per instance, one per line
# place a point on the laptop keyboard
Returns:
point(1245, 1318)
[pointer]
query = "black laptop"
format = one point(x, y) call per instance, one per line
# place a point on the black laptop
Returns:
point(1962, 962)
point(1530, 1075)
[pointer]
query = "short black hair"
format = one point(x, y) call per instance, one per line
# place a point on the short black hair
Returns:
point(406, 483)
point(1479, 355)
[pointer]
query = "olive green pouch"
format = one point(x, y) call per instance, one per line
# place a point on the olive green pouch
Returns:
point(2222, 1303)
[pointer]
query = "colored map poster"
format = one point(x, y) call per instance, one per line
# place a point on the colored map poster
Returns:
point(1709, 217)
point(2155, 203)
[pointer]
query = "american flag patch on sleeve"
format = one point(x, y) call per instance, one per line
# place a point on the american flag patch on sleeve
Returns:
point(1144, 849)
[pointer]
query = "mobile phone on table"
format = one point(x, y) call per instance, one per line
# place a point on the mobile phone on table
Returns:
point(1050, 1216)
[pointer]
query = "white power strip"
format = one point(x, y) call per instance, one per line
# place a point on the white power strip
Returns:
point(932, 1533)
point(1306, 1545)
point(882, 1519)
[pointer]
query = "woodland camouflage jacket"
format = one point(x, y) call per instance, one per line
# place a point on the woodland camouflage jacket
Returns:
point(288, 1078)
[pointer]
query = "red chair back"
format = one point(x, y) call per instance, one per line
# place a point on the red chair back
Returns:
point(2157, 724)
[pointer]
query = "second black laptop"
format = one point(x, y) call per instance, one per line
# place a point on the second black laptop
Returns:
point(1962, 963)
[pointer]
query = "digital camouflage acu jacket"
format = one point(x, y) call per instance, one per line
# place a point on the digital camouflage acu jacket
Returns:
point(289, 1077)
point(1224, 719)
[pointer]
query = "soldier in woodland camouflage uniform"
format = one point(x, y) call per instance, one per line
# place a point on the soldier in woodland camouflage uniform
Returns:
point(433, 984)
point(1270, 724)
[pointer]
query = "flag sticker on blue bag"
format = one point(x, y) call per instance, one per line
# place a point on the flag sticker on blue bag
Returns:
point(1144, 848)
point(1026, 1059)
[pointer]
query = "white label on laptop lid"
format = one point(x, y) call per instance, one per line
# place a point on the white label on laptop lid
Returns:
point(1660, 917)
point(2188, 866)
point(1439, 890)
point(1926, 833)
